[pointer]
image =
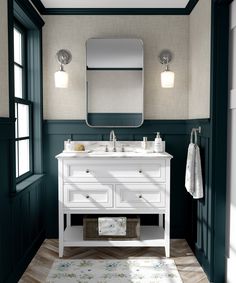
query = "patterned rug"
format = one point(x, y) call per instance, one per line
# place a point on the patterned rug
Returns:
point(115, 271)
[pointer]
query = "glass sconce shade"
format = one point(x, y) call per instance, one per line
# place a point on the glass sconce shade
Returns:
point(61, 79)
point(167, 79)
point(64, 57)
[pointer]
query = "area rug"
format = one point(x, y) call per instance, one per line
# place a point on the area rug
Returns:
point(115, 271)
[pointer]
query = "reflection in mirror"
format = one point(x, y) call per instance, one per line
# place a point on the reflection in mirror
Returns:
point(114, 82)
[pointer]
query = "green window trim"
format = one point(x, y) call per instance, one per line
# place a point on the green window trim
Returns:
point(22, 65)
point(23, 16)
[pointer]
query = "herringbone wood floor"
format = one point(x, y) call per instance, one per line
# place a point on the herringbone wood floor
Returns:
point(188, 267)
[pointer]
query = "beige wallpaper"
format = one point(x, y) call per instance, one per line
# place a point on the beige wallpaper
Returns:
point(4, 95)
point(157, 33)
point(199, 63)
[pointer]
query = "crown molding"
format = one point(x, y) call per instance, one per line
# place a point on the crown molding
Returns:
point(114, 11)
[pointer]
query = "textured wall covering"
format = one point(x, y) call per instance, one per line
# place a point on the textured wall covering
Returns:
point(199, 60)
point(4, 109)
point(157, 33)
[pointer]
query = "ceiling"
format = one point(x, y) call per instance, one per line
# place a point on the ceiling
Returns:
point(115, 3)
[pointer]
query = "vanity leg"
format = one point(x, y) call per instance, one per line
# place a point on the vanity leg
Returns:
point(167, 211)
point(61, 232)
point(68, 219)
point(167, 248)
point(167, 233)
point(60, 210)
point(160, 217)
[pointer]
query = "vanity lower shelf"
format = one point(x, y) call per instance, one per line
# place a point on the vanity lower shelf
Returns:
point(150, 236)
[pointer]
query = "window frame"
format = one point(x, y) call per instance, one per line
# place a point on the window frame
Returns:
point(24, 14)
point(24, 101)
point(29, 138)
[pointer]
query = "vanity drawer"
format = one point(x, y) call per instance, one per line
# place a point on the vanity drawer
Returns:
point(140, 195)
point(74, 171)
point(88, 195)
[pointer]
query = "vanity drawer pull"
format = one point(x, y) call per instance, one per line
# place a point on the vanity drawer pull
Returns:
point(87, 171)
point(140, 196)
point(140, 171)
point(87, 196)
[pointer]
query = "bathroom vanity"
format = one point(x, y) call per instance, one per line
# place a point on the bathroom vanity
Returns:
point(100, 182)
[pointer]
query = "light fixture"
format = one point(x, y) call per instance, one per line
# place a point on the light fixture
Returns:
point(61, 77)
point(167, 76)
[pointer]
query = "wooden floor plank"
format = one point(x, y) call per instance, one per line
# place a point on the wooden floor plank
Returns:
point(187, 264)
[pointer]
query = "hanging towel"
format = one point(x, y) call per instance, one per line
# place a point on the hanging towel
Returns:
point(193, 175)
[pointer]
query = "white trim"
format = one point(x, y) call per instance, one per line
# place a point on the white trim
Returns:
point(232, 23)
point(232, 99)
point(230, 267)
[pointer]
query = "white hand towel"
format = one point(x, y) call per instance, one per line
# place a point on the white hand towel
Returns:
point(193, 176)
point(198, 190)
point(189, 175)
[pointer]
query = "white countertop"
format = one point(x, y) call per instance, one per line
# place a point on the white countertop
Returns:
point(97, 150)
point(100, 154)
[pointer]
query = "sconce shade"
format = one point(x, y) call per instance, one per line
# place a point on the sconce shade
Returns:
point(167, 79)
point(61, 79)
point(64, 57)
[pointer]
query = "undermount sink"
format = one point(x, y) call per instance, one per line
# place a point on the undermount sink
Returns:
point(111, 153)
point(121, 154)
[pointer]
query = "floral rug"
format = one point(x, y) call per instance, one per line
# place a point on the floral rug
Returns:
point(115, 271)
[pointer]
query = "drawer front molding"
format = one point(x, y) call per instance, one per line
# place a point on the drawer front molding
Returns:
point(140, 196)
point(88, 195)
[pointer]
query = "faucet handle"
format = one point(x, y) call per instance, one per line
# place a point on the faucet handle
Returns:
point(106, 148)
point(122, 148)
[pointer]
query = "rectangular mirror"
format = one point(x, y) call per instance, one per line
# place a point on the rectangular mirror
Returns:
point(114, 79)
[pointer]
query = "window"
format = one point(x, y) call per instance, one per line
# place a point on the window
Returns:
point(23, 106)
point(25, 93)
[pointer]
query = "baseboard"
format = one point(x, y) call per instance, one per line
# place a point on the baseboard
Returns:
point(202, 259)
point(26, 259)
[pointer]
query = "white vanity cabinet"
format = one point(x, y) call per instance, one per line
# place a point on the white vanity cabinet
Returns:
point(135, 184)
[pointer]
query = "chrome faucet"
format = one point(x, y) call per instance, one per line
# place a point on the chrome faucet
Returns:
point(113, 140)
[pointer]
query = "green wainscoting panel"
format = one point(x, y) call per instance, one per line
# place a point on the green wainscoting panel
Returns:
point(22, 227)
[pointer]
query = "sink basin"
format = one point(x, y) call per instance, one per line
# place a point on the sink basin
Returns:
point(109, 154)
point(119, 154)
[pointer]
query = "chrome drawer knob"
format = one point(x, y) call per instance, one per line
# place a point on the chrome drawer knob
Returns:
point(87, 171)
point(140, 196)
point(87, 196)
point(140, 171)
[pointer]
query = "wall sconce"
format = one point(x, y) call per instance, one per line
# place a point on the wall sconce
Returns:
point(61, 77)
point(167, 77)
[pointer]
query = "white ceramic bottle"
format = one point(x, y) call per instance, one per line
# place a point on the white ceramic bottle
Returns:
point(158, 143)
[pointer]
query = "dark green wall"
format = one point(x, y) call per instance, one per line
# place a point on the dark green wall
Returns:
point(175, 133)
point(22, 228)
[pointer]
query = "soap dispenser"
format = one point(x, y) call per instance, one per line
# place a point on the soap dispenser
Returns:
point(158, 143)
